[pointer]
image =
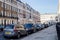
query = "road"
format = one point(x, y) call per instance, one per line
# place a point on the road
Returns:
point(46, 34)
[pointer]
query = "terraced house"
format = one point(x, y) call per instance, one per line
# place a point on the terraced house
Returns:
point(15, 11)
point(27, 14)
point(8, 12)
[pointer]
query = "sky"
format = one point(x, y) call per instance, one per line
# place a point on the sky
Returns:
point(43, 6)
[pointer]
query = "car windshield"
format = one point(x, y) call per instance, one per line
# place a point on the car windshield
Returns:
point(9, 27)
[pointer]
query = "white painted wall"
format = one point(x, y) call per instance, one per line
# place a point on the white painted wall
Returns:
point(47, 17)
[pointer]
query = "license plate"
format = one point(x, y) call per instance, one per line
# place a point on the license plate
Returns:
point(7, 32)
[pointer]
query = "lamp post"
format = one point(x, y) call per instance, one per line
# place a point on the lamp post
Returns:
point(4, 13)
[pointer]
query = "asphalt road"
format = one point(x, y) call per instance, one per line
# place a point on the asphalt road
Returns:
point(46, 34)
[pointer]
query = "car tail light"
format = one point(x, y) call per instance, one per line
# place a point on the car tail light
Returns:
point(15, 29)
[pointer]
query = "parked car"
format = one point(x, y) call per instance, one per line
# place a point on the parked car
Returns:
point(38, 26)
point(1, 27)
point(29, 27)
point(10, 31)
point(46, 25)
point(42, 26)
point(21, 29)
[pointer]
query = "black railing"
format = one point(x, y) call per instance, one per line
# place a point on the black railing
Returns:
point(12, 17)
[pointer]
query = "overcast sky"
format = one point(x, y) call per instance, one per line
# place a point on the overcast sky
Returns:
point(43, 6)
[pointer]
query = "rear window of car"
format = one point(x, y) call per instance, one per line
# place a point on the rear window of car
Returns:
point(9, 27)
point(19, 26)
point(1, 26)
point(28, 25)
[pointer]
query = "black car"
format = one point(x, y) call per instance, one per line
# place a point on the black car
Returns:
point(38, 26)
point(46, 25)
point(29, 27)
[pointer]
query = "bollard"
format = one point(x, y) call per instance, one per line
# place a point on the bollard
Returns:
point(58, 30)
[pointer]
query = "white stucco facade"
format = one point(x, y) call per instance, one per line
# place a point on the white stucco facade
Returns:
point(47, 17)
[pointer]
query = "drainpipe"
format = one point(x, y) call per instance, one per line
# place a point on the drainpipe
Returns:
point(4, 13)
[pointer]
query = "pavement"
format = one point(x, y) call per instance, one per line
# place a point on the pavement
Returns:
point(46, 34)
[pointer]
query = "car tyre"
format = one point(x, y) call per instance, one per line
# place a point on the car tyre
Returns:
point(27, 34)
point(18, 36)
point(34, 30)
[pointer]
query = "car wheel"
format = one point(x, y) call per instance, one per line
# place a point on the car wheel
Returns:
point(39, 29)
point(18, 36)
point(34, 30)
point(26, 33)
point(2, 29)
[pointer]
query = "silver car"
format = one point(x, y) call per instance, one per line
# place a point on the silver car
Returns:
point(10, 31)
